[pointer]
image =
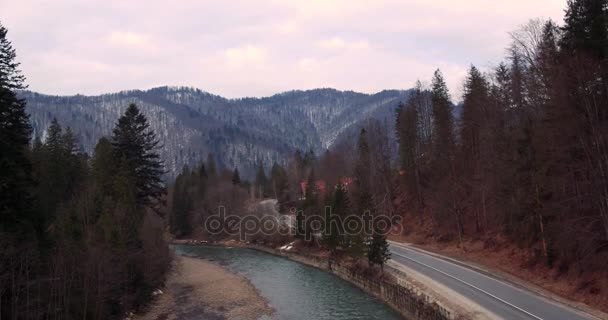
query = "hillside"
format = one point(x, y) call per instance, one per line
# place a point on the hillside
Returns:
point(239, 132)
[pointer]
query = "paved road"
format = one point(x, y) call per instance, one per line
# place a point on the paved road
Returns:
point(502, 298)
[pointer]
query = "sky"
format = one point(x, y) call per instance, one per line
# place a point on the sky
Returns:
point(245, 48)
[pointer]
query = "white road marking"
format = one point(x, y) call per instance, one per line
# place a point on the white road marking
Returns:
point(470, 285)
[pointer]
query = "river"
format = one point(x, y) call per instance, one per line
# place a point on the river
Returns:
point(294, 290)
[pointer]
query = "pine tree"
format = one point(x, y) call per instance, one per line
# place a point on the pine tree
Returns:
point(480, 130)
point(182, 204)
point(443, 173)
point(75, 163)
point(103, 165)
point(378, 250)
point(236, 178)
point(310, 203)
point(333, 234)
point(261, 181)
point(586, 27)
point(409, 138)
point(443, 133)
point(309, 159)
point(279, 184)
point(363, 164)
point(135, 145)
point(16, 214)
point(475, 100)
point(203, 179)
point(363, 196)
point(202, 171)
point(53, 140)
point(10, 76)
point(211, 166)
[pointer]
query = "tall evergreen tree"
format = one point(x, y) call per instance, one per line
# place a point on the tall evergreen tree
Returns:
point(103, 165)
point(586, 27)
point(361, 174)
point(364, 200)
point(16, 214)
point(211, 166)
point(236, 178)
point(279, 183)
point(378, 251)
point(11, 77)
point(443, 173)
point(443, 133)
point(135, 145)
point(333, 234)
point(202, 180)
point(261, 181)
point(182, 204)
point(475, 100)
point(309, 206)
point(409, 137)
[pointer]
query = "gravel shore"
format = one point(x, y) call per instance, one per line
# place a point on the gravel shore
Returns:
point(198, 289)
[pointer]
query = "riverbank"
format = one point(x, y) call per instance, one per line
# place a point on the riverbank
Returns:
point(198, 289)
point(396, 289)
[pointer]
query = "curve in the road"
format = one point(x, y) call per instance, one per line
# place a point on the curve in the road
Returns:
point(497, 296)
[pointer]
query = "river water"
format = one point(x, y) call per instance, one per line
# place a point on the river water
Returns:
point(294, 290)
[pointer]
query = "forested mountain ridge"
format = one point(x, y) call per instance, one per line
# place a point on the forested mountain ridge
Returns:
point(191, 123)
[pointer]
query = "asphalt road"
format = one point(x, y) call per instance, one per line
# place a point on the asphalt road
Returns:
point(504, 299)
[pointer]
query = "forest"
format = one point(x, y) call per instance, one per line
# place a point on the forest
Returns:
point(80, 237)
point(525, 158)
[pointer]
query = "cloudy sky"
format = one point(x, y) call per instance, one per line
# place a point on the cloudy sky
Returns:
point(257, 48)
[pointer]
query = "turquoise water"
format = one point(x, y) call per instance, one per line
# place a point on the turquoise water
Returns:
point(294, 290)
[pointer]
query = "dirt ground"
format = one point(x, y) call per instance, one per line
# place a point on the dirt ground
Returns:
point(198, 289)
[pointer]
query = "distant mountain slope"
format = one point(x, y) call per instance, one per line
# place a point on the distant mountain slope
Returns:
point(239, 132)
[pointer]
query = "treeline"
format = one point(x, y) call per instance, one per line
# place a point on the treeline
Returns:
point(79, 236)
point(351, 180)
point(528, 156)
point(198, 193)
point(345, 185)
point(523, 158)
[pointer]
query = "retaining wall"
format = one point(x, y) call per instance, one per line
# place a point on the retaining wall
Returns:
point(404, 297)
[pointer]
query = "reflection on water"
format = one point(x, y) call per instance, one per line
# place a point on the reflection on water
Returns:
point(295, 291)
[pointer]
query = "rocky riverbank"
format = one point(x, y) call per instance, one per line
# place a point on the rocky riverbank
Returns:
point(198, 289)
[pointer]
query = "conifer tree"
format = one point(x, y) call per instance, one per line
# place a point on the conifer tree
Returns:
point(586, 27)
point(103, 165)
point(236, 178)
point(211, 166)
point(280, 184)
point(310, 203)
point(333, 234)
point(475, 100)
point(182, 204)
point(378, 250)
point(364, 200)
point(409, 137)
point(477, 134)
point(135, 145)
point(261, 181)
point(443, 133)
point(202, 180)
point(16, 213)
point(11, 77)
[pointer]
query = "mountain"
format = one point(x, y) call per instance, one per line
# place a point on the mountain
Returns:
point(239, 132)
